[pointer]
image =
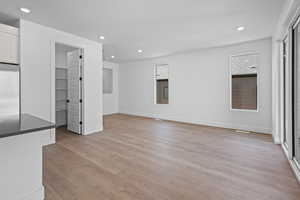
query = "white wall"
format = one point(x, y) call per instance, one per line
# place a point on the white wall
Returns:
point(199, 88)
point(61, 54)
point(37, 44)
point(111, 101)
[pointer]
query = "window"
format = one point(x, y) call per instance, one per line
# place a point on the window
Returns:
point(244, 92)
point(244, 82)
point(161, 84)
point(107, 81)
point(162, 91)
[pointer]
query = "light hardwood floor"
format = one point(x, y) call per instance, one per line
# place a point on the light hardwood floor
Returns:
point(141, 159)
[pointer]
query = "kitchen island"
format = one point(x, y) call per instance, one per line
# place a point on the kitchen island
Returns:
point(21, 157)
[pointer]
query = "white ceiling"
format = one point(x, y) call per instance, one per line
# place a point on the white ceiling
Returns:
point(158, 27)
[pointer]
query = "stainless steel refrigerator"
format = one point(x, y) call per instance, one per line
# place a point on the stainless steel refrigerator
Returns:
point(9, 89)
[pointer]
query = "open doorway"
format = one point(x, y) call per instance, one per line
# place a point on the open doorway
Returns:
point(68, 88)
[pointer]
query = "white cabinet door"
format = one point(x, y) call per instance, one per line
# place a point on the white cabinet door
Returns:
point(162, 72)
point(9, 44)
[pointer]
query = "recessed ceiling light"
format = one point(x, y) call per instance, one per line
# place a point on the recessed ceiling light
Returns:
point(25, 10)
point(240, 28)
point(140, 51)
point(112, 56)
point(101, 37)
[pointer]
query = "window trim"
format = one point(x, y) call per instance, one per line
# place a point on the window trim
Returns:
point(257, 81)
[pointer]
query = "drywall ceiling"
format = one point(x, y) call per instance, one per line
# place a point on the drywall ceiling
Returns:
point(158, 27)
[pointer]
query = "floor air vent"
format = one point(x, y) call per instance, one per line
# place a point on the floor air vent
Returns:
point(242, 131)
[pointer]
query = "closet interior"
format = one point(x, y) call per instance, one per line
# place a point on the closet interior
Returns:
point(68, 87)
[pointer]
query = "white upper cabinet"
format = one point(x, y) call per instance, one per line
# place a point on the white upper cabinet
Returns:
point(9, 44)
point(162, 72)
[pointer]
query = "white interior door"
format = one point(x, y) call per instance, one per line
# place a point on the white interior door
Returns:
point(74, 91)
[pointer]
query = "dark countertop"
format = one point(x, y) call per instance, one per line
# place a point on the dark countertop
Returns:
point(22, 124)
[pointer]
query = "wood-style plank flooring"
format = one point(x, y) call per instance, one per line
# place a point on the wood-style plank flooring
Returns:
point(137, 158)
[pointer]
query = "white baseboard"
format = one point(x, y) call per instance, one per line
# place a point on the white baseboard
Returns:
point(107, 114)
point(93, 132)
point(296, 170)
point(38, 194)
point(292, 163)
point(276, 139)
point(206, 123)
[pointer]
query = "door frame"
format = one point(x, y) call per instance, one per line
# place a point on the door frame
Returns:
point(286, 102)
point(294, 76)
point(285, 91)
point(52, 85)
